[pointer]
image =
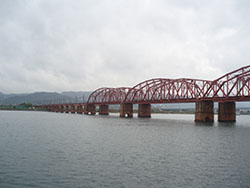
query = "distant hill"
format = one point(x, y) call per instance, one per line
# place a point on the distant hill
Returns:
point(1, 96)
point(77, 95)
point(44, 98)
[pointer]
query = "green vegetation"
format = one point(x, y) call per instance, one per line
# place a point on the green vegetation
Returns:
point(23, 106)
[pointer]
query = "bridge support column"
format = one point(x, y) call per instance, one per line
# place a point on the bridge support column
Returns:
point(79, 109)
point(51, 108)
point(226, 112)
point(57, 108)
point(72, 110)
point(204, 111)
point(144, 110)
point(67, 109)
point(126, 110)
point(62, 108)
point(90, 109)
point(104, 109)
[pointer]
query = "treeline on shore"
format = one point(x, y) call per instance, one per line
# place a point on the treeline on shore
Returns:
point(23, 106)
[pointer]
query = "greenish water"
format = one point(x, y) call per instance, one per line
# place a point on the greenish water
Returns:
point(43, 149)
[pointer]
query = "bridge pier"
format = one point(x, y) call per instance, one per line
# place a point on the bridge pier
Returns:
point(67, 109)
point(204, 111)
point(104, 109)
point(57, 108)
point(50, 108)
point(62, 108)
point(226, 112)
point(90, 109)
point(126, 110)
point(79, 109)
point(72, 109)
point(144, 110)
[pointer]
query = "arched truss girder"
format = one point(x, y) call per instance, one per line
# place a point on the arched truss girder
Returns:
point(108, 95)
point(235, 84)
point(231, 86)
point(161, 90)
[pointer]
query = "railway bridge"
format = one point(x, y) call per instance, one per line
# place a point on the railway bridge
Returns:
point(226, 90)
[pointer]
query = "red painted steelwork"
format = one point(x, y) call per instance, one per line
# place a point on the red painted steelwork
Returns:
point(167, 90)
point(233, 86)
point(108, 96)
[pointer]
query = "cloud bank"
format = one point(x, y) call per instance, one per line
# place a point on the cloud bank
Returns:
point(83, 45)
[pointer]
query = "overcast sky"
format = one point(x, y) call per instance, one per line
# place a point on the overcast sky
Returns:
point(79, 45)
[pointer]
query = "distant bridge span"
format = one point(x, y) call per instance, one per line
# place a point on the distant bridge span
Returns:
point(227, 89)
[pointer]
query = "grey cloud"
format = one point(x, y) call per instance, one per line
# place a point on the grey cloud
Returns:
point(81, 45)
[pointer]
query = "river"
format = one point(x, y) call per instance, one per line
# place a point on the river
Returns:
point(44, 149)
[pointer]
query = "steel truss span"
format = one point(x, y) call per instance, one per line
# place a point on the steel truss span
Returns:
point(162, 90)
point(233, 86)
point(108, 95)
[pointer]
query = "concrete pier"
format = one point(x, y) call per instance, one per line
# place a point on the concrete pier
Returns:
point(67, 109)
point(144, 110)
point(126, 110)
point(57, 108)
point(62, 108)
point(73, 109)
point(51, 108)
point(79, 109)
point(226, 112)
point(104, 109)
point(90, 109)
point(204, 111)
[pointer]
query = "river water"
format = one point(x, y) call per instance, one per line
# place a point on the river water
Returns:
point(43, 149)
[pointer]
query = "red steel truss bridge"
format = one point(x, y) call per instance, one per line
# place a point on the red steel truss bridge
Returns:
point(226, 90)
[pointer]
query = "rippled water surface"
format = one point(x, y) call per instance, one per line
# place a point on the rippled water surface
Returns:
point(42, 149)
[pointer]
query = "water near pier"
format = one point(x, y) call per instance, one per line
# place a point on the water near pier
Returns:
point(42, 149)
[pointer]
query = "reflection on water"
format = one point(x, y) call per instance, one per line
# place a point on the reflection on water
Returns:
point(40, 149)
